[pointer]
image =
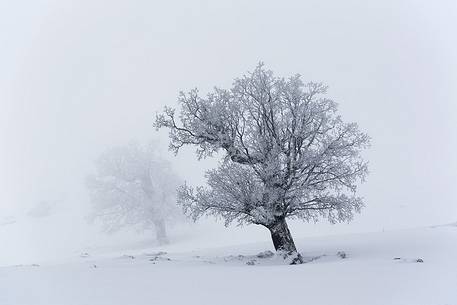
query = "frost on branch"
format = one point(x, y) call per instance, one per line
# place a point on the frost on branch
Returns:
point(288, 153)
point(133, 187)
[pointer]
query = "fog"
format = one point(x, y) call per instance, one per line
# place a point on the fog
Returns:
point(80, 76)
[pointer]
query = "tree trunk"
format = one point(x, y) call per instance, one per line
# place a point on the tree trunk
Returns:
point(161, 231)
point(283, 241)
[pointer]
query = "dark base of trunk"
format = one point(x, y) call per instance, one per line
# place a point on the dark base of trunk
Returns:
point(161, 232)
point(283, 241)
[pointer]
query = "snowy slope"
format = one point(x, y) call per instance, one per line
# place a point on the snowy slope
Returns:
point(380, 268)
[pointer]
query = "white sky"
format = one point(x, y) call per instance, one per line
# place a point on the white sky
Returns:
point(78, 76)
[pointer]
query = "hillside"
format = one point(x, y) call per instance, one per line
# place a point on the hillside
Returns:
point(416, 266)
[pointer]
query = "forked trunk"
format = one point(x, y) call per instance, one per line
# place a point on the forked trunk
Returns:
point(161, 231)
point(283, 241)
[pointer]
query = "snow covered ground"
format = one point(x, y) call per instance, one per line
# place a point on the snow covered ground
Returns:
point(416, 266)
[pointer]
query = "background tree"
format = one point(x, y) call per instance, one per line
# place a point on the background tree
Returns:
point(287, 154)
point(134, 187)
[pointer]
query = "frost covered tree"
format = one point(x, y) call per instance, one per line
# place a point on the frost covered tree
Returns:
point(288, 154)
point(134, 187)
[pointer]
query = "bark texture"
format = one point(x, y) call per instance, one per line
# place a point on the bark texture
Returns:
point(283, 241)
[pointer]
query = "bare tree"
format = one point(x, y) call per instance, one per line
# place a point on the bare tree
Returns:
point(134, 187)
point(287, 154)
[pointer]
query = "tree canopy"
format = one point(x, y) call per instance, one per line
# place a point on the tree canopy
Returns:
point(288, 154)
